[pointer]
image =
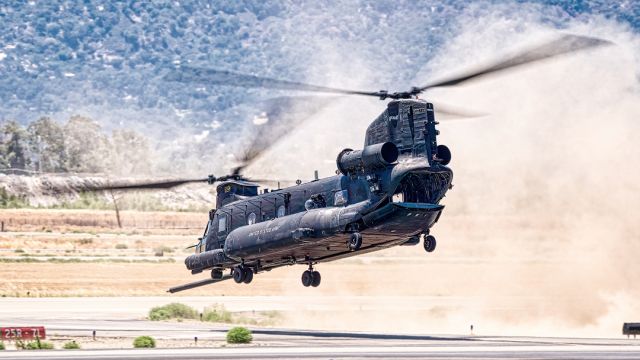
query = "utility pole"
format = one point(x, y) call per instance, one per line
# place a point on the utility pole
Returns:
point(115, 205)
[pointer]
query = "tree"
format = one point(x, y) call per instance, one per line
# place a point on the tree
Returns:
point(131, 154)
point(14, 146)
point(47, 145)
point(87, 149)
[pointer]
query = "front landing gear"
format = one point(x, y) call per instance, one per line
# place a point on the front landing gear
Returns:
point(311, 277)
point(429, 243)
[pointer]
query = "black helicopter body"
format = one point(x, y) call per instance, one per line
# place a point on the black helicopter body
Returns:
point(385, 195)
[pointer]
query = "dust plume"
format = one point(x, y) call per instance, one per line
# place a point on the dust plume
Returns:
point(540, 234)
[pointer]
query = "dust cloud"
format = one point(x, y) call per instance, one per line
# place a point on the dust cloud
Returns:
point(540, 234)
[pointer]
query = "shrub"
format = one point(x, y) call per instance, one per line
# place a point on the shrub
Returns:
point(217, 314)
point(71, 345)
point(163, 248)
point(239, 335)
point(8, 201)
point(144, 342)
point(34, 345)
point(160, 250)
point(157, 314)
point(1, 346)
point(172, 311)
point(121, 246)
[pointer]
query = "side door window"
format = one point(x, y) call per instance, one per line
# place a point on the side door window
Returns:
point(222, 223)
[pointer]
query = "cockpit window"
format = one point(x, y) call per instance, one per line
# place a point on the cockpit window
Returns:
point(281, 211)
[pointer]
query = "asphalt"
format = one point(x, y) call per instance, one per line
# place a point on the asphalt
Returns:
point(123, 318)
point(453, 351)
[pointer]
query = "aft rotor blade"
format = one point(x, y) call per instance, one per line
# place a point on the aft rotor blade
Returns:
point(563, 45)
point(188, 74)
point(455, 111)
point(278, 118)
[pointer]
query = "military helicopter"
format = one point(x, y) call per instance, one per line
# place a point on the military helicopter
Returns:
point(386, 194)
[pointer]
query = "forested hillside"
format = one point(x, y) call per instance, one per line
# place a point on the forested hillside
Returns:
point(106, 60)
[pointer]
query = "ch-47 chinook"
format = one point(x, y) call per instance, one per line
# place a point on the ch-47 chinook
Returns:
point(386, 194)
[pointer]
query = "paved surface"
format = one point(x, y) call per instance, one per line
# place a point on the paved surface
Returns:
point(454, 351)
point(122, 318)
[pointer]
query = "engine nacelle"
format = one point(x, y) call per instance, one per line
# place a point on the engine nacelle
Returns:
point(370, 158)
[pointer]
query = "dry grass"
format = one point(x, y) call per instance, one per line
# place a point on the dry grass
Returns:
point(101, 221)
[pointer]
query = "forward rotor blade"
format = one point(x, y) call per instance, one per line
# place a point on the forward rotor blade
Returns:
point(270, 181)
point(563, 45)
point(167, 184)
point(188, 74)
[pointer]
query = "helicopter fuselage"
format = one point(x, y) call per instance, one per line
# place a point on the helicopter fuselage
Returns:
point(385, 195)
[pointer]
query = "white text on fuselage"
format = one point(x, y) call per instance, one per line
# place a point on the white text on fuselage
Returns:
point(264, 231)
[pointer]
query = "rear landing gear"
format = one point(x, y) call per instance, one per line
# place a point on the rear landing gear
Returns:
point(238, 274)
point(429, 243)
point(248, 276)
point(355, 241)
point(242, 274)
point(311, 277)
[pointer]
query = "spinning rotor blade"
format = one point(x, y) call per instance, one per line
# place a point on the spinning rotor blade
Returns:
point(154, 185)
point(143, 185)
point(190, 74)
point(280, 116)
point(563, 45)
point(455, 111)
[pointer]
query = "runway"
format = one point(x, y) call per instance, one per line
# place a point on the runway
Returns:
point(118, 320)
point(453, 351)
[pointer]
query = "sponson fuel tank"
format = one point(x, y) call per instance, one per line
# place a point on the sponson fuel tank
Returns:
point(296, 229)
point(207, 259)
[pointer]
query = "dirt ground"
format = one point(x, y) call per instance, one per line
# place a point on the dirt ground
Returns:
point(500, 272)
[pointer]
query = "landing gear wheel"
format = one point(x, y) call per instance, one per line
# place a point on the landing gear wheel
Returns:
point(307, 278)
point(216, 274)
point(355, 241)
point(248, 276)
point(315, 281)
point(238, 274)
point(429, 243)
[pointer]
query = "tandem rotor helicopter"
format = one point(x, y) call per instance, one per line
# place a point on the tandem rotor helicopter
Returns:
point(386, 194)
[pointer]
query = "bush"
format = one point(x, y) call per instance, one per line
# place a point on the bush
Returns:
point(217, 314)
point(121, 246)
point(1, 346)
point(71, 345)
point(239, 335)
point(34, 345)
point(144, 342)
point(172, 311)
